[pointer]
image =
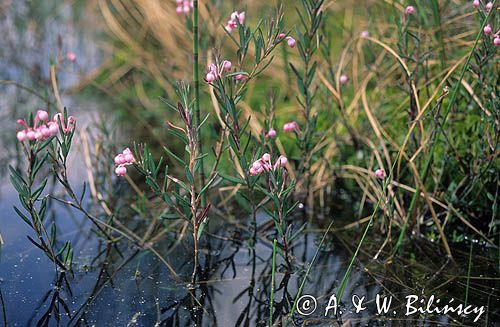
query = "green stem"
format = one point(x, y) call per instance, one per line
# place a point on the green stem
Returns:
point(299, 292)
point(370, 223)
point(196, 78)
point(438, 132)
point(468, 273)
point(271, 297)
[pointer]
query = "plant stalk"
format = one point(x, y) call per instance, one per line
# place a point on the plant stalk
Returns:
point(196, 79)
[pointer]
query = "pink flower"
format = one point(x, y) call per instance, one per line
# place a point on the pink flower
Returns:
point(235, 19)
point(290, 41)
point(364, 34)
point(119, 159)
point(226, 65)
point(184, 6)
point(120, 171)
point(43, 128)
point(129, 157)
point(241, 77)
point(21, 136)
point(210, 77)
point(229, 27)
point(38, 134)
point(257, 165)
point(271, 133)
point(487, 29)
point(214, 71)
point(264, 164)
point(291, 127)
point(496, 41)
point(476, 3)
point(379, 173)
point(126, 158)
point(409, 10)
point(59, 119)
point(53, 128)
point(280, 162)
point(238, 16)
point(281, 35)
point(31, 135)
point(488, 6)
point(71, 56)
point(42, 115)
point(45, 132)
point(343, 79)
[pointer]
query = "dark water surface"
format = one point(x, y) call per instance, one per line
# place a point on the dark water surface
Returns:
point(125, 286)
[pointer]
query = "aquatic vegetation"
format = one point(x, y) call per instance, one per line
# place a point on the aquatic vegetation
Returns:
point(268, 127)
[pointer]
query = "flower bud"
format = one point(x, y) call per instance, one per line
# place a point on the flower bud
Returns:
point(45, 131)
point(21, 136)
point(71, 56)
point(226, 65)
point(210, 77)
point(31, 135)
point(379, 173)
point(487, 29)
point(291, 41)
point(409, 10)
point(42, 115)
point(272, 133)
point(121, 171)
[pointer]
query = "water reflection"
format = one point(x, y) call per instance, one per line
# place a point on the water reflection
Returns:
point(120, 284)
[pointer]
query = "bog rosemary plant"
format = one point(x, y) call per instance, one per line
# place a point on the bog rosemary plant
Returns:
point(43, 141)
point(180, 194)
point(230, 86)
point(308, 39)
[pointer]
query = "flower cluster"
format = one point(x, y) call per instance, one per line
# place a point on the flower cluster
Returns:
point(215, 71)
point(235, 19)
point(291, 127)
point(184, 6)
point(126, 158)
point(264, 164)
point(289, 40)
point(43, 128)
